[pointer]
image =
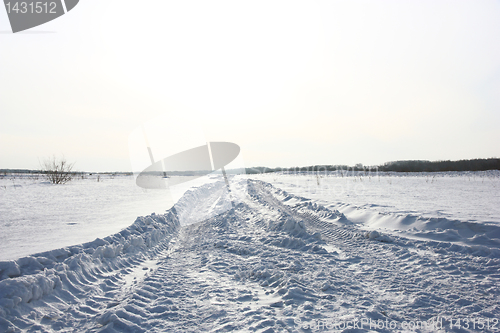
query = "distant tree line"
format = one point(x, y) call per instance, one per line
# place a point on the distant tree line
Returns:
point(76, 173)
point(441, 166)
point(479, 164)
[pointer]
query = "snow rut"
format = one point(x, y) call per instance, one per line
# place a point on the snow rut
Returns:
point(273, 262)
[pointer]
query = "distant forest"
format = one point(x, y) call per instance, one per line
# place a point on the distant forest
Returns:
point(437, 166)
point(480, 164)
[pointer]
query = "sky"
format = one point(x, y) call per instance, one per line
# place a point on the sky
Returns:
point(293, 83)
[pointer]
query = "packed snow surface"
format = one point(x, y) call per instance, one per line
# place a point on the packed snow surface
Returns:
point(259, 259)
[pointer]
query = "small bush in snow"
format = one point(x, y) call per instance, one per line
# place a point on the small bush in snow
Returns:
point(57, 171)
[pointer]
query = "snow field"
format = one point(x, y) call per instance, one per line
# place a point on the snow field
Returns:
point(36, 216)
point(465, 196)
point(270, 261)
point(461, 208)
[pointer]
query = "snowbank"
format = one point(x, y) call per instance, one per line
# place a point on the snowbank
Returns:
point(467, 235)
point(30, 278)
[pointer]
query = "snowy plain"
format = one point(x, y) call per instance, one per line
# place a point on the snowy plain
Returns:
point(279, 253)
point(443, 206)
point(37, 216)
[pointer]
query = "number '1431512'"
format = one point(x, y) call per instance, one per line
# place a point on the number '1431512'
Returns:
point(31, 8)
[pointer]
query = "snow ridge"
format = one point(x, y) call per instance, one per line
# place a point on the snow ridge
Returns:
point(33, 277)
point(469, 236)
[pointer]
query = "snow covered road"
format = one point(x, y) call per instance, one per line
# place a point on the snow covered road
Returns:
point(264, 261)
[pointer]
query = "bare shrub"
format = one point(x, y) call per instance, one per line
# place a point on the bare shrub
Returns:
point(57, 171)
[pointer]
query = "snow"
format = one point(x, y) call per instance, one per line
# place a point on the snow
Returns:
point(262, 258)
point(37, 216)
point(460, 207)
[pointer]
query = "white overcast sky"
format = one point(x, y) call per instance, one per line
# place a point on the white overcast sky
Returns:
point(292, 83)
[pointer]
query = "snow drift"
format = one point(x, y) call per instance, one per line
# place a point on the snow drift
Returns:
point(30, 278)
